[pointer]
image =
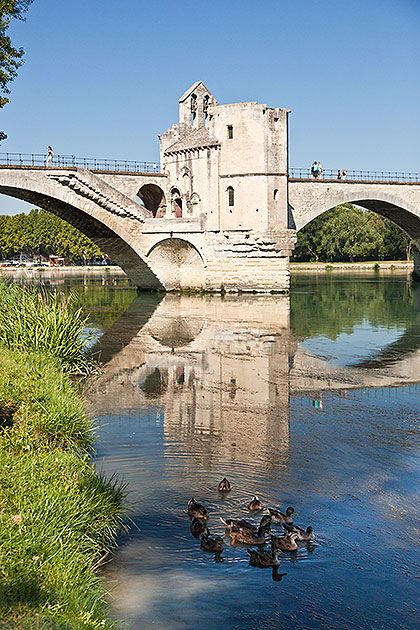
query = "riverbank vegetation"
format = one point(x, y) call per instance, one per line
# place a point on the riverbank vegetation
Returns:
point(346, 233)
point(58, 518)
point(40, 233)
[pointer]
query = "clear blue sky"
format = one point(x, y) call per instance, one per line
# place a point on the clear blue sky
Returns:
point(102, 78)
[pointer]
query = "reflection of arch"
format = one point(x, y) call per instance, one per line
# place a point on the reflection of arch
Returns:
point(176, 203)
point(154, 199)
point(176, 332)
point(180, 264)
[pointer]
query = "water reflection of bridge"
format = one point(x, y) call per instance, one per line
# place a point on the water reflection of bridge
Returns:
point(223, 368)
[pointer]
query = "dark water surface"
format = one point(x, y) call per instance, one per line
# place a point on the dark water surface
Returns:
point(312, 403)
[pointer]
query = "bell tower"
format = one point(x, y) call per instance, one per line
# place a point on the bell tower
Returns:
point(194, 104)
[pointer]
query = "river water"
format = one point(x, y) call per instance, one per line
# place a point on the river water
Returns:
point(310, 402)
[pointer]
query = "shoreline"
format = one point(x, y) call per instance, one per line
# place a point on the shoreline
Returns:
point(371, 265)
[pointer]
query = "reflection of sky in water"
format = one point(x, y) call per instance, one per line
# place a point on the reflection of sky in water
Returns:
point(363, 342)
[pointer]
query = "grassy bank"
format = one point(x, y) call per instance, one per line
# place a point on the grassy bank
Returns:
point(58, 519)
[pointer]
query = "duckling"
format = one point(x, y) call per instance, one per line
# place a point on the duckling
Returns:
point(284, 543)
point(279, 517)
point(215, 545)
point(263, 559)
point(302, 534)
point(198, 527)
point(255, 505)
point(196, 509)
point(224, 485)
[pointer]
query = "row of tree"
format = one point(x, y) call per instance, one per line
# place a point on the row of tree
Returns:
point(344, 233)
point(40, 233)
point(348, 233)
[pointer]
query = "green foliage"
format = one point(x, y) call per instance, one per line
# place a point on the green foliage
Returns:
point(38, 320)
point(347, 233)
point(58, 520)
point(40, 233)
point(11, 58)
point(335, 308)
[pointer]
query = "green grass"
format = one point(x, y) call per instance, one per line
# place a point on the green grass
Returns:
point(33, 319)
point(58, 518)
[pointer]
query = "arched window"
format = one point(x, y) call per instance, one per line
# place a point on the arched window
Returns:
point(231, 196)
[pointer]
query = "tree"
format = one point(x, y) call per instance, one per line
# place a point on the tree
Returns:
point(11, 58)
point(349, 233)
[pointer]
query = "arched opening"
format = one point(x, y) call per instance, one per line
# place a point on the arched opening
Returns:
point(276, 194)
point(356, 232)
point(110, 238)
point(178, 263)
point(195, 205)
point(153, 199)
point(176, 203)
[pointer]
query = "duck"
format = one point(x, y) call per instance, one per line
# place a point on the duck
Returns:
point(196, 509)
point(248, 534)
point(198, 527)
point(246, 526)
point(255, 505)
point(284, 543)
point(302, 533)
point(224, 485)
point(212, 544)
point(279, 517)
point(264, 559)
point(239, 524)
point(245, 537)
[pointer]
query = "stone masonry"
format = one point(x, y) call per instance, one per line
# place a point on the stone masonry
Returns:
point(222, 214)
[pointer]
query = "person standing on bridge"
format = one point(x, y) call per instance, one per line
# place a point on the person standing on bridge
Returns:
point(315, 170)
point(339, 174)
point(343, 173)
point(50, 156)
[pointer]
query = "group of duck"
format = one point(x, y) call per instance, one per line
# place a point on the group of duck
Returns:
point(245, 533)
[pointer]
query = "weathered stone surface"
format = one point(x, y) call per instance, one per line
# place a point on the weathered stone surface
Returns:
point(222, 214)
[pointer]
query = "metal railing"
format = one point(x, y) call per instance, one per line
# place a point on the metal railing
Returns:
point(92, 164)
point(357, 176)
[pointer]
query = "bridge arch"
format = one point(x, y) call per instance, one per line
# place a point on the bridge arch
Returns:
point(153, 199)
point(91, 206)
point(180, 264)
point(310, 200)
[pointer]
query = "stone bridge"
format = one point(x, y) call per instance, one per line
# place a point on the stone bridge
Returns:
point(223, 213)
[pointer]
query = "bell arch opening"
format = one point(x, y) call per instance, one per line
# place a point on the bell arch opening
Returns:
point(153, 199)
point(178, 264)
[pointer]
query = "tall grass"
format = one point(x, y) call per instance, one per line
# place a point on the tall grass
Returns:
point(34, 319)
point(58, 518)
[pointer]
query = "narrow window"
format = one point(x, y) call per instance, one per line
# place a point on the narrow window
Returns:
point(231, 196)
point(230, 132)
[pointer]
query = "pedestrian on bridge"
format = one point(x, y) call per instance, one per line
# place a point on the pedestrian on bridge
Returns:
point(343, 173)
point(339, 174)
point(315, 170)
point(50, 156)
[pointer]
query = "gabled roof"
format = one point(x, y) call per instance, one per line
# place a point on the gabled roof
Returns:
point(191, 90)
point(195, 139)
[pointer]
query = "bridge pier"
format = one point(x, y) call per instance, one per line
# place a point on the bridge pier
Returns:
point(416, 259)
